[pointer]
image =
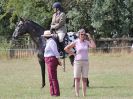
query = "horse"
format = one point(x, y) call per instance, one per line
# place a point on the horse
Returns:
point(35, 31)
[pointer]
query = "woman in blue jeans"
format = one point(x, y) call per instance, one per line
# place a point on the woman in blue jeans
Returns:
point(51, 57)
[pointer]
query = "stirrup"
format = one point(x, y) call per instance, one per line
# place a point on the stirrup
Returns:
point(62, 55)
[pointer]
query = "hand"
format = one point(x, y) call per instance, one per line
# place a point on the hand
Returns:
point(52, 30)
point(89, 36)
point(71, 54)
point(52, 27)
point(59, 62)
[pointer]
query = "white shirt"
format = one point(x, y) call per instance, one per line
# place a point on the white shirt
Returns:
point(51, 49)
point(132, 47)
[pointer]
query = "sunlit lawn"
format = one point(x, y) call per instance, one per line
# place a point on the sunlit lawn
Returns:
point(111, 77)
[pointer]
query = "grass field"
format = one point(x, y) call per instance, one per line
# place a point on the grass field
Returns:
point(111, 77)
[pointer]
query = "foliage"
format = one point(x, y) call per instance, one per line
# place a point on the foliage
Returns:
point(107, 17)
point(79, 15)
point(4, 19)
point(37, 10)
point(4, 44)
point(74, 22)
point(112, 15)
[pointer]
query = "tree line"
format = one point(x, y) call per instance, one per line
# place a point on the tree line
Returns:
point(102, 18)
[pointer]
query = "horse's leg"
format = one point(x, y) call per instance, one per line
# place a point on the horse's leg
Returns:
point(71, 58)
point(42, 65)
point(88, 82)
point(62, 53)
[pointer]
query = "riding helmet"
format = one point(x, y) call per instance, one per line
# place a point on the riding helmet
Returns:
point(57, 5)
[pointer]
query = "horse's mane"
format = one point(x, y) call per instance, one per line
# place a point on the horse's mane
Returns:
point(35, 24)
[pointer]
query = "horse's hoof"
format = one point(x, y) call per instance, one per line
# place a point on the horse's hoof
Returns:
point(43, 86)
point(73, 85)
point(88, 86)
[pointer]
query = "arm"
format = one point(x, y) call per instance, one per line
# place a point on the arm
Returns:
point(91, 41)
point(53, 18)
point(61, 22)
point(68, 48)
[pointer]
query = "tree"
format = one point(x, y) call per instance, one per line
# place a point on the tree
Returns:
point(79, 15)
point(4, 19)
point(112, 15)
point(39, 11)
point(105, 16)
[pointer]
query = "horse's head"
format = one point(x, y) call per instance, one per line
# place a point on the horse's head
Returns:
point(20, 29)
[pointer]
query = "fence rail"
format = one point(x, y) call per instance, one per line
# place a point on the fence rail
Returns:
point(17, 53)
point(22, 53)
point(108, 49)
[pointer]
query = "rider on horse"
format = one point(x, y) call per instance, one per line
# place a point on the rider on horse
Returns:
point(58, 24)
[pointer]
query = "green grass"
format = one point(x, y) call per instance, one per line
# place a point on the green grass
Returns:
point(111, 77)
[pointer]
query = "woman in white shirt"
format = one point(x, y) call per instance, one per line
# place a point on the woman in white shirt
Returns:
point(51, 57)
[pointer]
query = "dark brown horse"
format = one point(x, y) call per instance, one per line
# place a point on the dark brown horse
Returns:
point(35, 31)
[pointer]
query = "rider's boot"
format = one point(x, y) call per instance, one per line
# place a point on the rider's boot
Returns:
point(62, 52)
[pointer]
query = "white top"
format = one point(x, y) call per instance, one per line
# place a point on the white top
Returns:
point(132, 47)
point(51, 49)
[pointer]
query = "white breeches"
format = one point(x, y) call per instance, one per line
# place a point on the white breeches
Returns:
point(61, 36)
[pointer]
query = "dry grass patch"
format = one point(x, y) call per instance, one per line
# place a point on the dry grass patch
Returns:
point(110, 78)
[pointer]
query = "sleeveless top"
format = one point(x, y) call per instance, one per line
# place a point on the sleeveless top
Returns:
point(82, 49)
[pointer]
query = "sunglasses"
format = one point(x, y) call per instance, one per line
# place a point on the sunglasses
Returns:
point(82, 34)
